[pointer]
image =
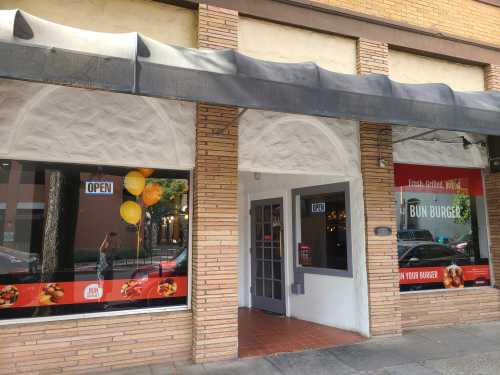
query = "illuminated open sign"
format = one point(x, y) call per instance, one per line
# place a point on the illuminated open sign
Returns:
point(99, 187)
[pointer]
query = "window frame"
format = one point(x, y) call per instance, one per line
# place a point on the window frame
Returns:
point(299, 271)
point(133, 311)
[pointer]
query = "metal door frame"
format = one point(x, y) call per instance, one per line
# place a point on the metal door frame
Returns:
point(266, 303)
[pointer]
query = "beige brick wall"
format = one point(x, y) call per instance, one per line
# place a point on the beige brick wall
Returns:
point(378, 191)
point(217, 27)
point(442, 308)
point(215, 221)
point(492, 185)
point(97, 344)
point(463, 18)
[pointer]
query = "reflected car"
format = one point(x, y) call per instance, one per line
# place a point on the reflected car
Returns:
point(464, 244)
point(430, 255)
point(15, 261)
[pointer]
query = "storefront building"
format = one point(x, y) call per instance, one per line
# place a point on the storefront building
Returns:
point(133, 227)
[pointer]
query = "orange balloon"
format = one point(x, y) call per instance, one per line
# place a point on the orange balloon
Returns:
point(146, 172)
point(152, 194)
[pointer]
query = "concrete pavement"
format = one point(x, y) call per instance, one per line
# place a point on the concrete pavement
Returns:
point(457, 350)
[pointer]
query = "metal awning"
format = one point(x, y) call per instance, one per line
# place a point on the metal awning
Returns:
point(35, 49)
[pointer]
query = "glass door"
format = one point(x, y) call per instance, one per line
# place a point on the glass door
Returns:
point(267, 255)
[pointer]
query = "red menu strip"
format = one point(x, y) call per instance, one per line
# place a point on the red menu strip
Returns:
point(76, 292)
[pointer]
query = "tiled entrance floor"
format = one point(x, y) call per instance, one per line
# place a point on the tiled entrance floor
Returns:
point(262, 333)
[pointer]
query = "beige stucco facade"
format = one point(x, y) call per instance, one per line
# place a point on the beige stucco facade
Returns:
point(179, 25)
point(279, 43)
point(410, 68)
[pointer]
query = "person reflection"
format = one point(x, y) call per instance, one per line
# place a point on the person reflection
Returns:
point(105, 263)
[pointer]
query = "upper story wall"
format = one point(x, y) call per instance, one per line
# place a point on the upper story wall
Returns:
point(411, 68)
point(276, 42)
point(165, 23)
point(470, 19)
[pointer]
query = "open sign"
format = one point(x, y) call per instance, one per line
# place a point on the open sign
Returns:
point(99, 187)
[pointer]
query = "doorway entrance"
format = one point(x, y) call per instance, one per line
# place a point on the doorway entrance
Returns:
point(267, 268)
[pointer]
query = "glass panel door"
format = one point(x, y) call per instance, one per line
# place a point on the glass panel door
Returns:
point(267, 256)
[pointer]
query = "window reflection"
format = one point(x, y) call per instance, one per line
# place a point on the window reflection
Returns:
point(85, 238)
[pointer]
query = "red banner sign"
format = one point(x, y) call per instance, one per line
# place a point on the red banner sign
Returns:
point(77, 292)
point(438, 180)
point(480, 274)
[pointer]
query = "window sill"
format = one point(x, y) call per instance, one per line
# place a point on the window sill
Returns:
point(325, 271)
point(152, 310)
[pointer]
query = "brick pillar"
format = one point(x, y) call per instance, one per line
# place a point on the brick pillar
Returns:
point(215, 210)
point(492, 185)
point(378, 192)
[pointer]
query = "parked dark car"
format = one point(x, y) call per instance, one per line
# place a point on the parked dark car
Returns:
point(15, 261)
point(430, 255)
point(464, 244)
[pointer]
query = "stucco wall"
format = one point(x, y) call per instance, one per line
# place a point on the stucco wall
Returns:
point(299, 151)
point(439, 148)
point(274, 42)
point(443, 147)
point(58, 123)
point(165, 23)
point(410, 68)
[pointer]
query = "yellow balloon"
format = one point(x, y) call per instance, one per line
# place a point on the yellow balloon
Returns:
point(146, 172)
point(134, 182)
point(131, 212)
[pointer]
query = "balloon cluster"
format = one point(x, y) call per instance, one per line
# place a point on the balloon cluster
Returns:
point(135, 183)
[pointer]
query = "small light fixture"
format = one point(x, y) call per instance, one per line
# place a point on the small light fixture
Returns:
point(466, 143)
point(381, 162)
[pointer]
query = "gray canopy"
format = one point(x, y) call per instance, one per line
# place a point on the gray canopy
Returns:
point(34, 49)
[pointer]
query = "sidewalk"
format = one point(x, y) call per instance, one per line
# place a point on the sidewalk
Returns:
point(458, 350)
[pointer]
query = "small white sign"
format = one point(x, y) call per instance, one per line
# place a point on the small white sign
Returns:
point(99, 187)
point(318, 207)
point(92, 291)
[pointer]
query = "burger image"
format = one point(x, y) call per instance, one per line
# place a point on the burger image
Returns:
point(131, 289)
point(8, 296)
point(453, 277)
point(167, 288)
point(51, 294)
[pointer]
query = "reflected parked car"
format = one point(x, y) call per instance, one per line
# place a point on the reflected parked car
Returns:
point(15, 261)
point(430, 255)
point(464, 244)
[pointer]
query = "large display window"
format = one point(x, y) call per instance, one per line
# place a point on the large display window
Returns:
point(78, 239)
point(441, 221)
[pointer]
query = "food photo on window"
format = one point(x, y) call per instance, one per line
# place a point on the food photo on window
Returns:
point(441, 220)
point(78, 239)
